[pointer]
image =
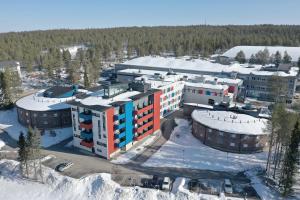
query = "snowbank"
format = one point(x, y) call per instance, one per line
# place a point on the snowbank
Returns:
point(183, 150)
point(2, 144)
point(97, 186)
point(9, 123)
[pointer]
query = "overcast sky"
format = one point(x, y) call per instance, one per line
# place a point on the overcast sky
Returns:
point(24, 15)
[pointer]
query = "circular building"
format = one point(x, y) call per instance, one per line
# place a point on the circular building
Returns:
point(229, 131)
point(47, 109)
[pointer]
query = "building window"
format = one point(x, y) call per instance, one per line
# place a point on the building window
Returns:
point(99, 129)
point(45, 115)
point(55, 115)
point(207, 93)
point(232, 144)
point(209, 130)
point(233, 135)
point(194, 91)
point(221, 133)
point(99, 150)
point(200, 91)
point(245, 145)
point(104, 122)
point(34, 115)
point(101, 144)
point(45, 122)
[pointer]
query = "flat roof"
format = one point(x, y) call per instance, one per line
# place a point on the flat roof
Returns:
point(37, 102)
point(207, 85)
point(202, 66)
point(231, 122)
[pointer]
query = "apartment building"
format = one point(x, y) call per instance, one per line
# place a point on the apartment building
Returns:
point(113, 119)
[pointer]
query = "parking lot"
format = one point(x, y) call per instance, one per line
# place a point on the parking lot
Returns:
point(240, 189)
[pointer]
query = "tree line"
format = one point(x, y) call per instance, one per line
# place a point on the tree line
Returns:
point(27, 47)
point(264, 57)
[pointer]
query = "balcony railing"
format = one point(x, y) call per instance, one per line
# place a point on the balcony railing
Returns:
point(120, 135)
point(85, 116)
point(144, 118)
point(144, 109)
point(86, 135)
point(86, 125)
point(119, 116)
point(140, 129)
point(119, 126)
point(121, 144)
point(144, 135)
point(87, 144)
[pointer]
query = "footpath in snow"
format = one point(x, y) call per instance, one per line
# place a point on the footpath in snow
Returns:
point(126, 157)
point(9, 123)
point(183, 150)
point(96, 186)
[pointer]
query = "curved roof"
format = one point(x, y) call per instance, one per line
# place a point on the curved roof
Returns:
point(37, 102)
point(231, 122)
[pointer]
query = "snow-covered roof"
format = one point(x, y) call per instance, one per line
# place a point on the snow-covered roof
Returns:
point(294, 52)
point(37, 102)
point(231, 122)
point(201, 66)
point(97, 99)
point(207, 85)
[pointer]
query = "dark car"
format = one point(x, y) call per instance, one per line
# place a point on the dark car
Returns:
point(63, 166)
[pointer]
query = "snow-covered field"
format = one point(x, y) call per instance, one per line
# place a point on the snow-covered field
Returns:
point(96, 186)
point(9, 123)
point(128, 155)
point(183, 150)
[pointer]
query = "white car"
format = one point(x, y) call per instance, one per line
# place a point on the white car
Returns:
point(228, 186)
point(166, 184)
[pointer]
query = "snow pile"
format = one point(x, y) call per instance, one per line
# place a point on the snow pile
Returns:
point(9, 123)
point(183, 150)
point(128, 155)
point(2, 144)
point(97, 186)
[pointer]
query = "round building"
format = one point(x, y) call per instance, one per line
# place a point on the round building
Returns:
point(47, 109)
point(229, 131)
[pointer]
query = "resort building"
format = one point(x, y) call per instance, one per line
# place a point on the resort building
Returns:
point(48, 109)
point(256, 78)
point(113, 119)
point(229, 131)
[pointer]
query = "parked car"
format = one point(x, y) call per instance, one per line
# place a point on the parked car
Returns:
point(228, 186)
point(166, 184)
point(63, 166)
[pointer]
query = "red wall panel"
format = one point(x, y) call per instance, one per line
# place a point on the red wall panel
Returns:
point(156, 124)
point(110, 132)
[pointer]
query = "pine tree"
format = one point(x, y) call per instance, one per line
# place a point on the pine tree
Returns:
point(287, 58)
point(36, 153)
point(277, 58)
point(6, 85)
point(240, 57)
point(252, 59)
point(23, 157)
point(290, 160)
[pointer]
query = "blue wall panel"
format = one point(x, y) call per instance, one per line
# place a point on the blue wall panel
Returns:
point(129, 120)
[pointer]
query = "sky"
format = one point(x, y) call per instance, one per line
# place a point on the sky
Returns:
point(25, 15)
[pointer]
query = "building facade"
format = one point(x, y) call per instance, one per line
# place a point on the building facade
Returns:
point(107, 125)
point(208, 94)
point(230, 132)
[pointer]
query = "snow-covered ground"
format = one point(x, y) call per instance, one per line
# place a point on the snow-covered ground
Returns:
point(125, 157)
point(9, 123)
point(96, 186)
point(183, 150)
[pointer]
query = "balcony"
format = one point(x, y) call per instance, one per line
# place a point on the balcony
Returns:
point(87, 144)
point(119, 126)
point(144, 109)
point(121, 144)
point(85, 116)
point(120, 135)
point(119, 116)
point(86, 135)
point(86, 125)
point(144, 135)
point(140, 129)
point(144, 118)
